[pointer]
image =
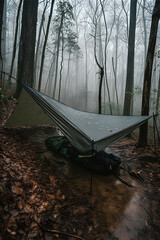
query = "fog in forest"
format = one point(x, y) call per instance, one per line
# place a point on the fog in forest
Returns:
point(81, 31)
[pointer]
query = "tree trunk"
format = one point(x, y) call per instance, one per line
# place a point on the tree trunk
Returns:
point(1, 23)
point(115, 79)
point(105, 57)
point(144, 27)
point(68, 72)
point(60, 79)
point(15, 42)
point(44, 46)
point(101, 74)
point(126, 14)
point(57, 57)
point(4, 35)
point(158, 95)
point(86, 70)
point(130, 62)
point(38, 42)
point(27, 45)
point(48, 87)
point(142, 142)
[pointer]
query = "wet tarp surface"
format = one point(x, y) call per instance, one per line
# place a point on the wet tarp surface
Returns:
point(27, 113)
point(86, 131)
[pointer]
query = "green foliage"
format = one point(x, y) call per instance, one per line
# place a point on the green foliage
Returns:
point(1, 188)
point(64, 12)
point(137, 91)
point(64, 24)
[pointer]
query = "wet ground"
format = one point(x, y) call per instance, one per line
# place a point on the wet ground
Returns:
point(121, 211)
point(114, 211)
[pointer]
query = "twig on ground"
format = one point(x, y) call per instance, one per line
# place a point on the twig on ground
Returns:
point(67, 204)
point(123, 181)
point(54, 231)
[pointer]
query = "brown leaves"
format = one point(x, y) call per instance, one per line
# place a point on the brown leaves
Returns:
point(30, 190)
point(17, 188)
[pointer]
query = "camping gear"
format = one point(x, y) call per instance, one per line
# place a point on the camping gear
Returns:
point(58, 144)
point(87, 132)
point(102, 162)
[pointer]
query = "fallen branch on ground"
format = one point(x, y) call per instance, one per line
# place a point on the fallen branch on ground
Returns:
point(54, 231)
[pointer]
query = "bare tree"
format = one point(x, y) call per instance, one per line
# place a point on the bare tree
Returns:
point(39, 39)
point(15, 41)
point(144, 28)
point(142, 142)
point(126, 15)
point(44, 46)
point(130, 61)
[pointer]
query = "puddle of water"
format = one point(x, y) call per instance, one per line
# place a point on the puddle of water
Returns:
point(133, 220)
point(116, 202)
point(119, 207)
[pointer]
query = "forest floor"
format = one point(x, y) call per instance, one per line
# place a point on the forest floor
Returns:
point(37, 201)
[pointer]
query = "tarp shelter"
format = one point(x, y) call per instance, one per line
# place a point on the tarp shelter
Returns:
point(85, 131)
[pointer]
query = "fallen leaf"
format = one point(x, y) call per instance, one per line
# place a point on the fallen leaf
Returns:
point(17, 190)
point(58, 192)
point(50, 196)
point(21, 231)
point(28, 209)
point(14, 213)
point(20, 205)
point(42, 208)
point(33, 196)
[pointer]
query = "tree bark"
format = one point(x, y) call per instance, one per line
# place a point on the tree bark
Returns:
point(57, 57)
point(158, 95)
point(142, 142)
point(4, 35)
point(38, 42)
point(44, 46)
point(86, 70)
point(101, 74)
point(115, 79)
point(144, 27)
point(15, 41)
point(27, 45)
point(60, 74)
point(105, 56)
point(130, 61)
point(1, 23)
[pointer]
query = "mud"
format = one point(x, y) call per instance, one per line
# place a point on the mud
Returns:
point(121, 212)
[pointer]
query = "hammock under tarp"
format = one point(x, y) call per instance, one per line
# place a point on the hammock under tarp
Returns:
point(86, 131)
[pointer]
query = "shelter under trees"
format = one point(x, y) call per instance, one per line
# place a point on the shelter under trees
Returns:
point(71, 36)
point(77, 67)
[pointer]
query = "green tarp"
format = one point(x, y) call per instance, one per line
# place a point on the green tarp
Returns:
point(27, 113)
point(86, 131)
